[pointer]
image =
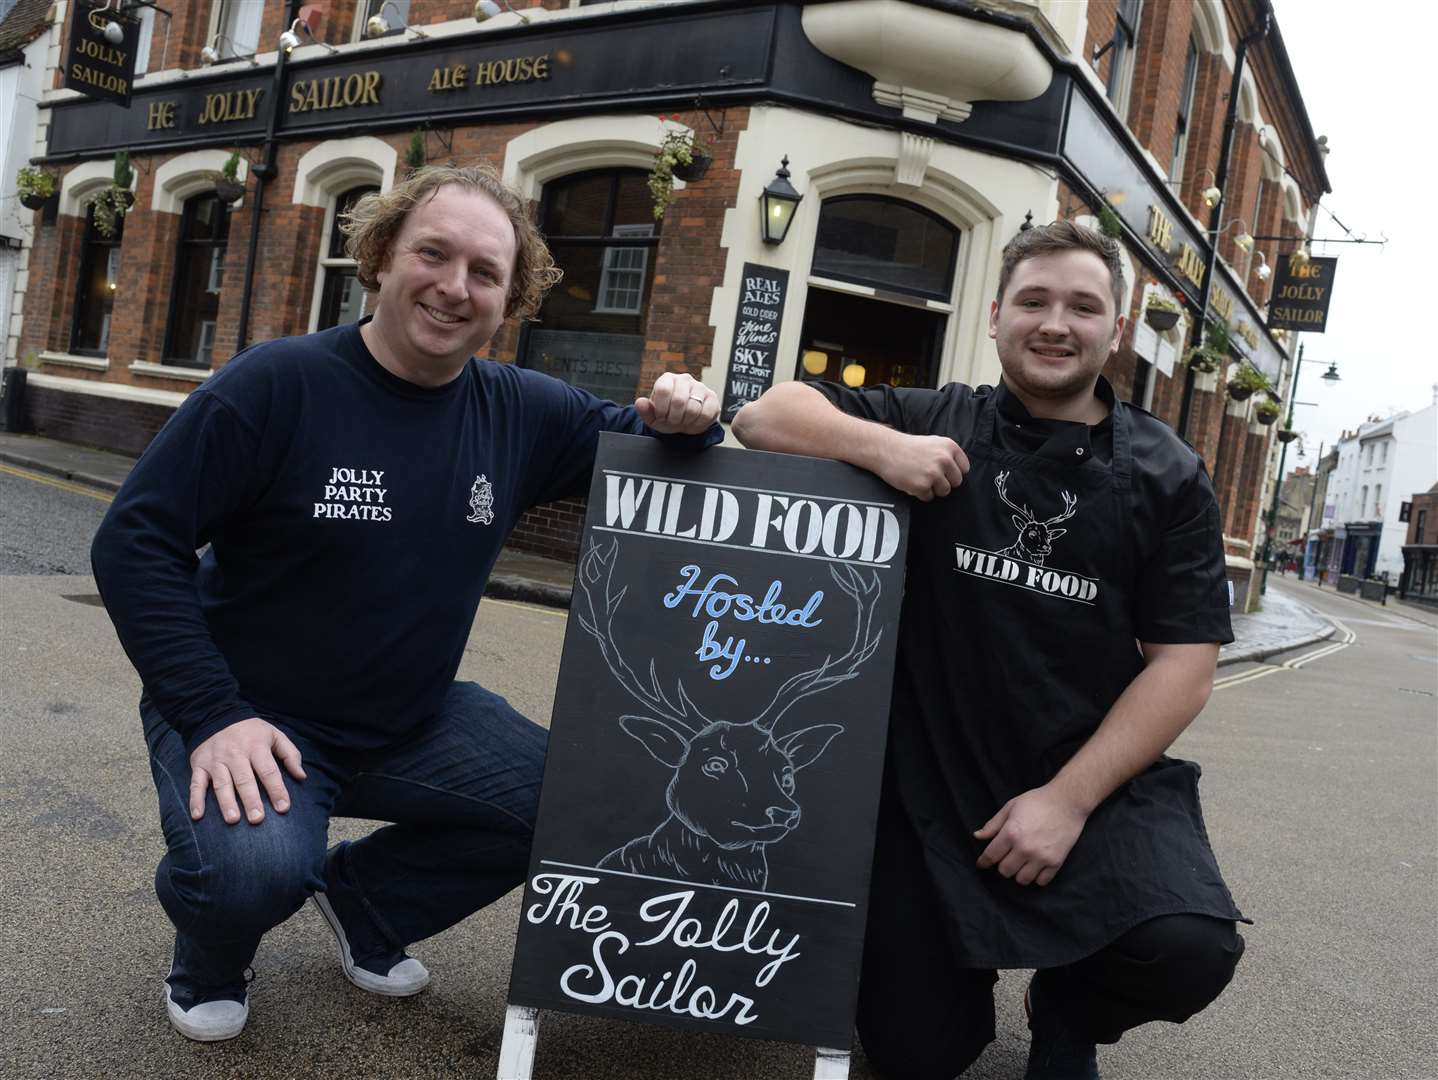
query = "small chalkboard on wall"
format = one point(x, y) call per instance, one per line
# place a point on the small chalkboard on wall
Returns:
point(756, 337)
point(701, 859)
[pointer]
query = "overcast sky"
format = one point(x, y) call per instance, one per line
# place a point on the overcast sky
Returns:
point(1365, 73)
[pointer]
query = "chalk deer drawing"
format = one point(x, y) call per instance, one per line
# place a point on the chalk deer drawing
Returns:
point(732, 792)
point(1036, 538)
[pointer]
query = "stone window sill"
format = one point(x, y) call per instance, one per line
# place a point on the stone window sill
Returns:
point(94, 363)
point(169, 371)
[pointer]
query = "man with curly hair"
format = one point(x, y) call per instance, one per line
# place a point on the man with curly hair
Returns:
point(352, 490)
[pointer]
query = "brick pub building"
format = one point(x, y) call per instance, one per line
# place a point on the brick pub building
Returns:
point(920, 134)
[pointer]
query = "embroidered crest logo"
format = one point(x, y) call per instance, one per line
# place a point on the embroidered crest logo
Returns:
point(1036, 538)
point(481, 502)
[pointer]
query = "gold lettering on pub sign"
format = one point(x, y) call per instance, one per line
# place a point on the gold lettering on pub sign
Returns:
point(516, 69)
point(1248, 334)
point(1223, 304)
point(83, 73)
point(1160, 229)
point(453, 77)
point(161, 115)
point(232, 105)
point(336, 92)
point(1190, 265)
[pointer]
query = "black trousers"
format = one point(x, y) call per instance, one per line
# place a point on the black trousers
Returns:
point(922, 1017)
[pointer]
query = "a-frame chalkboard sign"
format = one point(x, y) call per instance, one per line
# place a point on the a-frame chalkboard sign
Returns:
point(701, 858)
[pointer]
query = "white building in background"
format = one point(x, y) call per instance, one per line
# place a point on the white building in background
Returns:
point(1379, 468)
point(26, 29)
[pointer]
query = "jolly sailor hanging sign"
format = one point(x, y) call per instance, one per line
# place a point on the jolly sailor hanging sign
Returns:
point(705, 829)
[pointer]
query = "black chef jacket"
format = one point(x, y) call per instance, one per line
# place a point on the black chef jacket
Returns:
point(1028, 589)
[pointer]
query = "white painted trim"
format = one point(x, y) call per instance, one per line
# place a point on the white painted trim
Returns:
point(187, 175)
point(118, 391)
point(94, 363)
point(590, 142)
point(336, 165)
point(83, 181)
point(1210, 27)
point(170, 371)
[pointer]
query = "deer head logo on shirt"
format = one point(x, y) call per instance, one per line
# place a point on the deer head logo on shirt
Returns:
point(1036, 538)
point(732, 792)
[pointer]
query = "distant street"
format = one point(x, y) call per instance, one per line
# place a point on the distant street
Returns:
point(46, 524)
point(1318, 788)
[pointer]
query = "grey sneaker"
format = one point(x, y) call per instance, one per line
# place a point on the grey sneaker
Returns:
point(403, 978)
point(204, 1017)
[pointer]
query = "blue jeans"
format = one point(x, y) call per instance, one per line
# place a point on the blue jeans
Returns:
point(461, 790)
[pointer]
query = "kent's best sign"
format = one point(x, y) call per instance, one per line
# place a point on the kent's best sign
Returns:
point(701, 859)
point(1301, 295)
point(94, 66)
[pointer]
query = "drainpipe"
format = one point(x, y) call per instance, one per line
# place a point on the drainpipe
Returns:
point(263, 172)
point(1220, 179)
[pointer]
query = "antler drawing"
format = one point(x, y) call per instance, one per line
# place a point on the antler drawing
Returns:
point(732, 789)
point(1035, 539)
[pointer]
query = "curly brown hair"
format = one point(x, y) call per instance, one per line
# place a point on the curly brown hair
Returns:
point(1062, 236)
point(371, 227)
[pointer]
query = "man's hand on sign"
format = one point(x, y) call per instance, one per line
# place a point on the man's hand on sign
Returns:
point(679, 404)
point(237, 761)
point(1031, 836)
point(924, 466)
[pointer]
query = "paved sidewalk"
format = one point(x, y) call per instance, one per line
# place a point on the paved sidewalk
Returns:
point(1284, 623)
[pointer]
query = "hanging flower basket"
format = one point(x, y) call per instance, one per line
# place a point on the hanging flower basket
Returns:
point(36, 187)
point(1160, 319)
point(1266, 413)
point(1246, 382)
point(698, 165)
point(229, 191)
point(1202, 360)
point(1286, 435)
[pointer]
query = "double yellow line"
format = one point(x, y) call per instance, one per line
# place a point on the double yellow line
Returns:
point(55, 482)
point(1348, 638)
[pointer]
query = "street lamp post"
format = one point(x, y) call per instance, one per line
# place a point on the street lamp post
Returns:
point(1330, 376)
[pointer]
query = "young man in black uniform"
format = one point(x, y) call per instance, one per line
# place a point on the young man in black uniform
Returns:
point(354, 487)
point(1061, 625)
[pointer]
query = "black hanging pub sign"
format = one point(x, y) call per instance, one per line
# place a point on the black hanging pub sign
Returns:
point(1302, 292)
point(94, 65)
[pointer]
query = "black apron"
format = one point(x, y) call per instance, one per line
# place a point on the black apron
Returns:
point(1018, 636)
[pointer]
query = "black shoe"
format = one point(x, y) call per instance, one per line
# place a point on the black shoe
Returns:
point(1053, 1054)
point(393, 973)
point(207, 1015)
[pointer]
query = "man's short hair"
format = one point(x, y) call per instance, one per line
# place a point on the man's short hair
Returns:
point(371, 227)
point(1063, 236)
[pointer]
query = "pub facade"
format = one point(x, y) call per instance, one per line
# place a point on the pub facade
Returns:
point(917, 135)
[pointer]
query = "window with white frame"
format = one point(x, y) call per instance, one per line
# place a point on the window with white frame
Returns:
point(1362, 500)
point(339, 297)
point(1383, 457)
point(1378, 500)
point(1185, 113)
point(1123, 54)
point(146, 15)
point(235, 27)
point(621, 279)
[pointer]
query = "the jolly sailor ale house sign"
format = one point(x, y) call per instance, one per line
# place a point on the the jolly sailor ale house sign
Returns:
point(701, 858)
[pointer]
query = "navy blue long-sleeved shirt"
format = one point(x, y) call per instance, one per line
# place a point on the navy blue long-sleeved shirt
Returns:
point(352, 520)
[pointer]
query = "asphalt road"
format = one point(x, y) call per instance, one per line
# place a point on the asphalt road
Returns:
point(1319, 793)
